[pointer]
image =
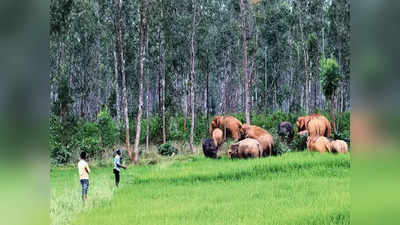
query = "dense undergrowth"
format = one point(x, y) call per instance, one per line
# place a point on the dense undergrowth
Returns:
point(69, 136)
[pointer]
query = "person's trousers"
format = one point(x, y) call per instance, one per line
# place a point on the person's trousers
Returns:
point(116, 174)
point(85, 186)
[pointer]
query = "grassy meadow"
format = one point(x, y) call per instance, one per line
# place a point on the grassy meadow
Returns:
point(295, 188)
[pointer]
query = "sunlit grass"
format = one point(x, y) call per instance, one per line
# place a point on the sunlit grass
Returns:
point(296, 188)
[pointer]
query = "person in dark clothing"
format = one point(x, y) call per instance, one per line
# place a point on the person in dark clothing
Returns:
point(117, 166)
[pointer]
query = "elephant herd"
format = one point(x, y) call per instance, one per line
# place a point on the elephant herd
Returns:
point(253, 141)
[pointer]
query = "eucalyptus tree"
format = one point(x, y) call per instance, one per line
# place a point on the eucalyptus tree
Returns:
point(330, 78)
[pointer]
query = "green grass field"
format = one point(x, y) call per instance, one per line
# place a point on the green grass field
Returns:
point(295, 188)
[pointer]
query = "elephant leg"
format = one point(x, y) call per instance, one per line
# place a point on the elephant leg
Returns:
point(235, 136)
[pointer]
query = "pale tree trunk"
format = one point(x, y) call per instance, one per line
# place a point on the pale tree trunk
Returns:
point(124, 97)
point(192, 76)
point(162, 80)
point(116, 86)
point(142, 34)
point(163, 93)
point(333, 114)
point(207, 110)
point(265, 80)
point(306, 67)
point(246, 78)
point(158, 90)
point(186, 102)
point(147, 100)
point(224, 88)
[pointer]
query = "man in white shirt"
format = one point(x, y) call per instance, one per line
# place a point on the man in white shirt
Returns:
point(117, 166)
point(83, 168)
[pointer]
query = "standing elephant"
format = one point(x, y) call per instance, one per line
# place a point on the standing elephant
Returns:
point(247, 148)
point(229, 124)
point(218, 137)
point(262, 136)
point(285, 130)
point(315, 124)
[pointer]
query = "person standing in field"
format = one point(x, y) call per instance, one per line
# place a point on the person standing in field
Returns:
point(83, 168)
point(117, 166)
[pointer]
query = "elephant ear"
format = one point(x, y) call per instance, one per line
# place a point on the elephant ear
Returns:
point(220, 121)
point(300, 123)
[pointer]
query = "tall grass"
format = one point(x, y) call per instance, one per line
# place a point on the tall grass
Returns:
point(295, 188)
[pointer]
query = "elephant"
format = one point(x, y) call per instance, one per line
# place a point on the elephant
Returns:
point(315, 124)
point(209, 149)
point(318, 144)
point(285, 131)
point(338, 146)
point(218, 137)
point(229, 124)
point(262, 136)
point(247, 148)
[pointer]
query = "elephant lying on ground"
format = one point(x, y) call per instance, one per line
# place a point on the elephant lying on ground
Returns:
point(247, 148)
point(262, 136)
point(209, 149)
point(285, 130)
point(338, 146)
point(319, 144)
point(229, 124)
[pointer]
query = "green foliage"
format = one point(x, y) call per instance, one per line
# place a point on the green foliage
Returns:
point(107, 128)
point(59, 13)
point(329, 76)
point(280, 146)
point(60, 140)
point(299, 143)
point(67, 139)
point(167, 149)
point(312, 44)
point(62, 105)
point(89, 138)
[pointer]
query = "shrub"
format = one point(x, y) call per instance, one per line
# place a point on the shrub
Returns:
point(89, 138)
point(62, 139)
point(280, 147)
point(299, 143)
point(167, 149)
point(107, 128)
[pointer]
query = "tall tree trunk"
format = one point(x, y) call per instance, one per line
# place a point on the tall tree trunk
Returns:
point(124, 96)
point(147, 111)
point(158, 90)
point(246, 78)
point(265, 80)
point(147, 98)
point(192, 76)
point(186, 102)
point(116, 86)
point(163, 93)
point(162, 79)
point(306, 68)
point(207, 109)
point(333, 114)
point(142, 34)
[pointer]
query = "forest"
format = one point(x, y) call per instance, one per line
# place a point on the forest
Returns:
point(147, 72)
